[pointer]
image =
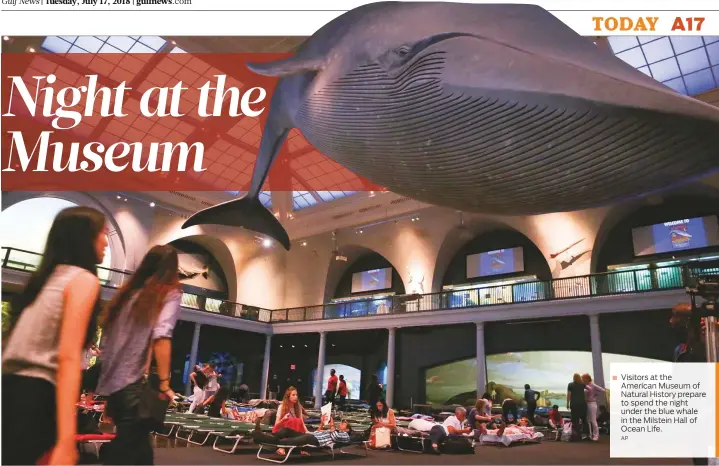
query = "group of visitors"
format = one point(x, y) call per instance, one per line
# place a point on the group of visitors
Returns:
point(54, 321)
point(336, 390)
point(582, 396)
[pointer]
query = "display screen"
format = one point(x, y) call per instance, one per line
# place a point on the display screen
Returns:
point(372, 280)
point(499, 262)
point(677, 235)
point(353, 377)
point(548, 372)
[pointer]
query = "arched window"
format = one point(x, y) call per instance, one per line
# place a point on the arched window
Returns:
point(25, 227)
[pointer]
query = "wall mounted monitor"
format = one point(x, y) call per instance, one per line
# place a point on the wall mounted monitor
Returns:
point(499, 262)
point(372, 280)
point(675, 236)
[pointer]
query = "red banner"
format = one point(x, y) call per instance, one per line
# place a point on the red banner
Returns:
point(150, 122)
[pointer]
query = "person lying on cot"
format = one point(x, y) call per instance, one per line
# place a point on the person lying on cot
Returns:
point(318, 438)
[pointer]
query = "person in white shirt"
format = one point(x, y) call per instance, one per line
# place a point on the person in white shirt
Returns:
point(453, 425)
point(212, 384)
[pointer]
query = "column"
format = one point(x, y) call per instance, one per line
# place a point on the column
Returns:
point(266, 368)
point(193, 357)
point(481, 361)
point(319, 377)
point(597, 366)
point(390, 367)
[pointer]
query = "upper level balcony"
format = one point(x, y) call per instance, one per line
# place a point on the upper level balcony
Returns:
point(605, 292)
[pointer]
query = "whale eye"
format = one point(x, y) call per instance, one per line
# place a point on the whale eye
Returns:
point(403, 51)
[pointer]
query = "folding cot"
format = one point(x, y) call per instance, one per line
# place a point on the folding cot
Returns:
point(308, 448)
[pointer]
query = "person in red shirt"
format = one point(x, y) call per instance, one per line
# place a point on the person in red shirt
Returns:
point(556, 421)
point(331, 387)
point(342, 392)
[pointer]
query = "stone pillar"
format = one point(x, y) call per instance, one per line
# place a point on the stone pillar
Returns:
point(481, 361)
point(266, 367)
point(390, 366)
point(597, 366)
point(319, 377)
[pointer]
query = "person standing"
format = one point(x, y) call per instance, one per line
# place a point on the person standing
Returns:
point(693, 343)
point(342, 393)
point(592, 391)
point(139, 323)
point(374, 391)
point(331, 387)
point(212, 384)
point(577, 404)
point(52, 320)
point(199, 381)
point(531, 396)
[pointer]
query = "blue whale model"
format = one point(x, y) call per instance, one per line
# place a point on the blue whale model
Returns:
point(487, 108)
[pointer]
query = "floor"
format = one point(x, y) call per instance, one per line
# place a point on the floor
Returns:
point(178, 452)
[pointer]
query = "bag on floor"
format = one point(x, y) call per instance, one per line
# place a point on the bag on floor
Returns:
point(566, 432)
point(380, 438)
point(457, 446)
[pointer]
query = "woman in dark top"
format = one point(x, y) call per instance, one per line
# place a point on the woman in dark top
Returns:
point(217, 402)
point(577, 404)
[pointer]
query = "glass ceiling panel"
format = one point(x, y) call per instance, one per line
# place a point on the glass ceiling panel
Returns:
point(302, 200)
point(687, 64)
point(265, 197)
point(103, 44)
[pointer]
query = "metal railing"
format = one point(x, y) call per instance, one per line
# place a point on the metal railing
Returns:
point(586, 286)
point(28, 261)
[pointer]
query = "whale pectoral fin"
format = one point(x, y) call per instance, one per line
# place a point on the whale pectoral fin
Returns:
point(287, 67)
point(246, 212)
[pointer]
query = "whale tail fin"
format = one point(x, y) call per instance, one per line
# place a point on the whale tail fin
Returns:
point(246, 212)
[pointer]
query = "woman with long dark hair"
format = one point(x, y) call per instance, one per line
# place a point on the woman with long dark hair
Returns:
point(138, 324)
point(289, 421)
point(382, 417)
point(53, 320)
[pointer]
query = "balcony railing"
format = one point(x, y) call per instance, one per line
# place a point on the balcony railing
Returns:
point(18, 259)
point(587, 286)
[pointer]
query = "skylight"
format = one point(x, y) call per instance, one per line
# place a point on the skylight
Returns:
point(687, 64)
point(103, 44)
point(302, 200)
point(328, 196)
point(265, 197)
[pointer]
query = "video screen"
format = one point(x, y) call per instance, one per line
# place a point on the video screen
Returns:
point(548, 372)
point(677, 235)
point(372, 280)
point(353, 377)
point(499, 262)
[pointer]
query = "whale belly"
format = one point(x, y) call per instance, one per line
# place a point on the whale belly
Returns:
point(501, 151)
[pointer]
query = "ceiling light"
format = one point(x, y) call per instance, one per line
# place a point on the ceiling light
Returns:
point(333, 344)
point(5, 38)
point(305, 346)
point(280, 346)
point(293, 346)
point(152, 204)
point(266, 243)
point(304, 243)
point(119, 197)
point(125, 199)
point(31, 49)
point(173, 42)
